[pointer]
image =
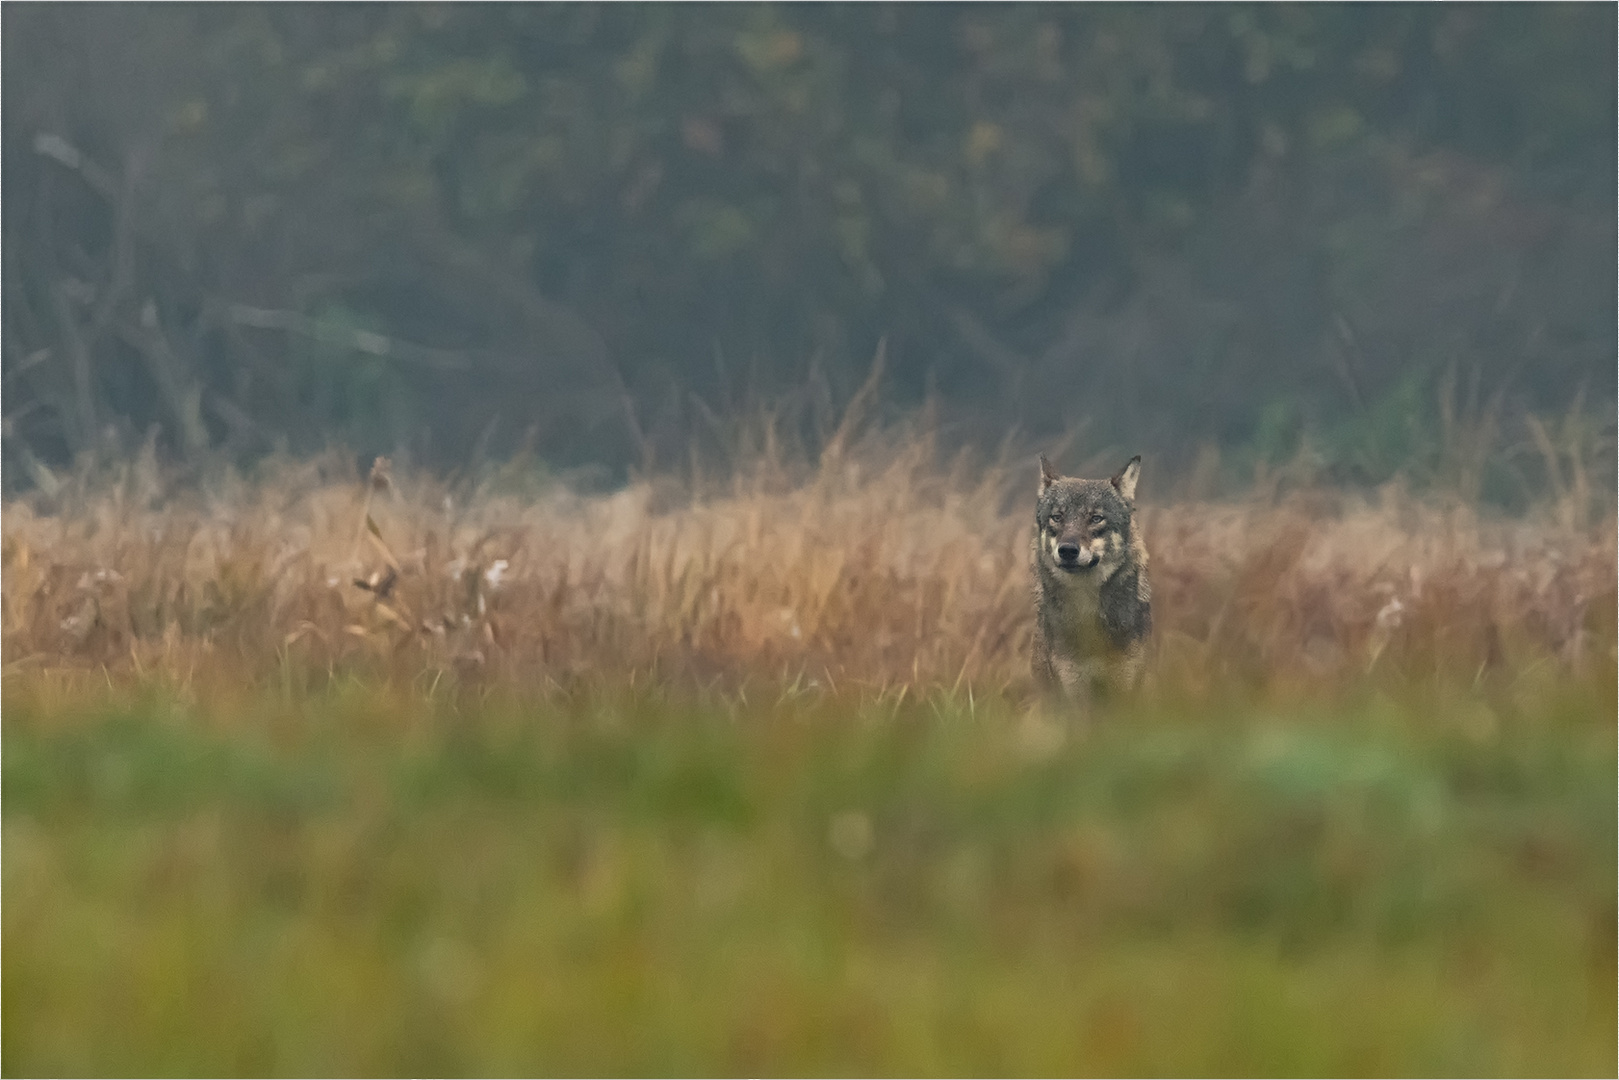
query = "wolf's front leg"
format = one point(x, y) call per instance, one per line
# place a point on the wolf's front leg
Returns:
point(1077, 681)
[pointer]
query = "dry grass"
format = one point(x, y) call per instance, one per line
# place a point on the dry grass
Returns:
point(878, 569)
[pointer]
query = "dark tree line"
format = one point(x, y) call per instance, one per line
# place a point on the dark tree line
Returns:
point(451, 228)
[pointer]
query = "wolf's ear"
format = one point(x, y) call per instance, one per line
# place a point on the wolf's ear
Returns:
point(1048, 474)
point(1125, 481)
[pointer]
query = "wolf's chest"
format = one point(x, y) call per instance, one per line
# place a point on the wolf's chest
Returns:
point(1076, 621)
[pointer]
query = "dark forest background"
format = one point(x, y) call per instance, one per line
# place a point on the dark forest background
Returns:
point(600, 233)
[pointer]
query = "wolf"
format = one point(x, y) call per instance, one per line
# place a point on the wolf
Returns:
point(1093, 601)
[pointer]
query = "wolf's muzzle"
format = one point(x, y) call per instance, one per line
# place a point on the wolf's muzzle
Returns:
point(1070, 557)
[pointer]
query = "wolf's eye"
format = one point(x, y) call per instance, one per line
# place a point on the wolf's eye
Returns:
point(1097, 519)
point(1056, 517)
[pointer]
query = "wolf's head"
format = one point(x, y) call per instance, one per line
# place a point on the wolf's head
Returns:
point(1085, 526)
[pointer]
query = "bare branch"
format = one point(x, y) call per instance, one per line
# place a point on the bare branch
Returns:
point(366, 341)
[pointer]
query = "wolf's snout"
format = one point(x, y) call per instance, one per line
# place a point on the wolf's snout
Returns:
point(1071, 556)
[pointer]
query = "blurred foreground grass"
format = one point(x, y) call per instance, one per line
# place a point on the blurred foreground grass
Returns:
point(364, 880)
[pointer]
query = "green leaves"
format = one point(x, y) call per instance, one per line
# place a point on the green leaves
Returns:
point(781, 181)
point(437, 96)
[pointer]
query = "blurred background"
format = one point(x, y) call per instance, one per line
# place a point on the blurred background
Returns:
point(596, 233)
point(479, 763)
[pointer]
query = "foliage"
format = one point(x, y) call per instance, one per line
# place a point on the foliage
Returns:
point(607, 220)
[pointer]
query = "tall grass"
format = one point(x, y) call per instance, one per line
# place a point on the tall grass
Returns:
point(875, 568)
point(323, 772)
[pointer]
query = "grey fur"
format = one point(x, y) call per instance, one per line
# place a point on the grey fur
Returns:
point(1093, 598)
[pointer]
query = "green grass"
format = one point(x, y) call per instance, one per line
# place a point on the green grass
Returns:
point(364, 882)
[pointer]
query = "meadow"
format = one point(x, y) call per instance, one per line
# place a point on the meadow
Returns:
point(311, 771)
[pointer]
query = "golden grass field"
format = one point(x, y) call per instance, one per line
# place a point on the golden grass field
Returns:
point(315, 772)
point(882, 572)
